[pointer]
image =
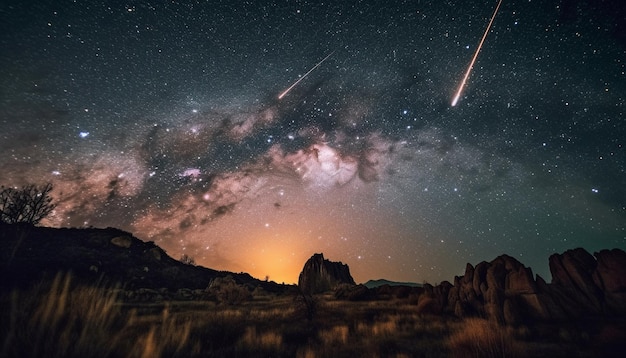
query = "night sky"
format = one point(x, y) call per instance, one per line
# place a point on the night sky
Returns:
point(163, 118)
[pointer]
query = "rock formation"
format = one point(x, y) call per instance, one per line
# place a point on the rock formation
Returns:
point(321, 275)
point(610, 277)
point(505, 291)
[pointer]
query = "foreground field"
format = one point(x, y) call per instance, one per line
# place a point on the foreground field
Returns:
point(62, 319)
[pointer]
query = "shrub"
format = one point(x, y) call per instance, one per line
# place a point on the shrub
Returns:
point(305, 305)
point(227, 291)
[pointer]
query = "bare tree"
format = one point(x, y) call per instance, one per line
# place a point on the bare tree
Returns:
point(30, 204)
point(187, 260)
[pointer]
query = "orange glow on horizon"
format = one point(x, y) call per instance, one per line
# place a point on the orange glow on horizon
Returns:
point(279, 258)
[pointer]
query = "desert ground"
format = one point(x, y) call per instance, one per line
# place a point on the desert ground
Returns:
point(61, 318)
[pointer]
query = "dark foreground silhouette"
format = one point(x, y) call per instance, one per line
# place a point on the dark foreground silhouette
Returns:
point(102, 292)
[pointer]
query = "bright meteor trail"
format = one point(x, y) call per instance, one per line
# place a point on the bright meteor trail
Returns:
point(471, 65)
point(301, 78)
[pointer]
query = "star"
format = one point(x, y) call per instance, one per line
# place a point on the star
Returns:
point(169, 127)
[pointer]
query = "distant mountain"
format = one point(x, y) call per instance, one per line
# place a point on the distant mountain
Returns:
point(28, 254)
point(382, 282)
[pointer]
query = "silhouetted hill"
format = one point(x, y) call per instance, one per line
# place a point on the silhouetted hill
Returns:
point(382, 282)
point(28, 254)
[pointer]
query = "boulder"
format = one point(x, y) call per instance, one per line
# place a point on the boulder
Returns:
point(610, 276)
point(321, 275)
point(479, 278)
point(467, 291)
point(154, 253)
point(441, 293)
point(511, 311)
point(572, 276)
point(610, 273)
point(520, 281)
point(122, 241)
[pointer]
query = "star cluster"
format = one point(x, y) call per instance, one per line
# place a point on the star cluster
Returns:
point(163, 118)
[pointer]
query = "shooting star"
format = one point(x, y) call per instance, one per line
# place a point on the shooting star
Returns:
point(471, 65)
point(301, 78)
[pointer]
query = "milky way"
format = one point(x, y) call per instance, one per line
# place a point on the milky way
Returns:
point(162, 119)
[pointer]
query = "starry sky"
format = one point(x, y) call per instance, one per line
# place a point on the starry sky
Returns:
point(163, 118)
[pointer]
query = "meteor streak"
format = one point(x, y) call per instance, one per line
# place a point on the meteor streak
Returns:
point(301, 78)
point(471, 65)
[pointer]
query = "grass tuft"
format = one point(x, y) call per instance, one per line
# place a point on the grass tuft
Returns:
point(62, 320)
point(481, 338)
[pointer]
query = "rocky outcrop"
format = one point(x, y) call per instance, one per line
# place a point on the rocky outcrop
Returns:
point(572, 282)
point(505, 291)
point(610, 277)
point(321, 275)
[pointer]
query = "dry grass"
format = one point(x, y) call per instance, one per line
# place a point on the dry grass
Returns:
point(65, 320)
point(61, 320)
point(253, 339)
point(481, 338)
point(337, 335)
point(168, 338)
point(68, 320)
point(377, 329)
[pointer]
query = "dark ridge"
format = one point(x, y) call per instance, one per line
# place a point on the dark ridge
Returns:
point(29, 254)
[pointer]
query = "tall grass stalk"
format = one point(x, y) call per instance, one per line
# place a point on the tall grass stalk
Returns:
point(168, 338)
point(62, 320)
